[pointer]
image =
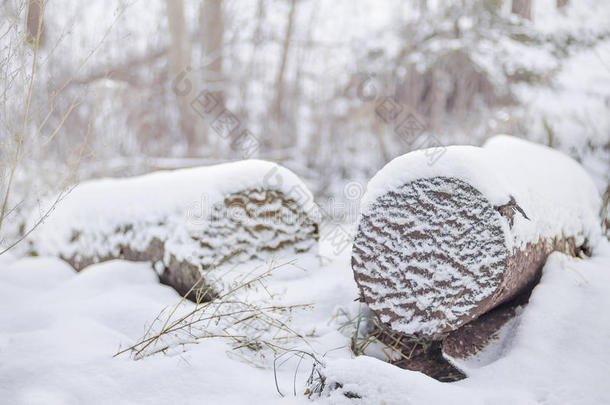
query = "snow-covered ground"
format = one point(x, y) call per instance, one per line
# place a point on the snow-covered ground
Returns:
point(59, 331)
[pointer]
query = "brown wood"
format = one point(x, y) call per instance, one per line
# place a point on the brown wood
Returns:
point(471, 338)
point(425, 356)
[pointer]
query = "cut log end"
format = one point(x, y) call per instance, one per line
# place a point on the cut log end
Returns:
point(469, 340)
point(429, 256)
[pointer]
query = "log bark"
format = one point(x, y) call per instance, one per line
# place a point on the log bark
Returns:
point(434, 253)
point(472, 338)
point(425, 356)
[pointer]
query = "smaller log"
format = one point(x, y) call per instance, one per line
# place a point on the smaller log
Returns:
point(186, 223)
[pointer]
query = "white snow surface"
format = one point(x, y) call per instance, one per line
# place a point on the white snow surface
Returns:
point(555, 192)
point(61, 328)
point(171, 190)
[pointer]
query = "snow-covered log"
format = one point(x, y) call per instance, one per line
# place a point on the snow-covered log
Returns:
point(439, 243)
point(187, 222)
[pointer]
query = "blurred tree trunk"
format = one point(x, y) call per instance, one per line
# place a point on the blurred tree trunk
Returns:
point(562, 3)
point(423, 6)
point(34, 22)
point(256, 40)
point(311, 141)
point(522, 8)
point(185, 85)
point(277, 109)
point(212, 32)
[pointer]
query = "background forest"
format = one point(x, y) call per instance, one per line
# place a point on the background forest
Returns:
point(331, 89)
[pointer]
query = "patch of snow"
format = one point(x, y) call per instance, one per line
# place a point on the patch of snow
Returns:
point(59, 333)
point(60, 330)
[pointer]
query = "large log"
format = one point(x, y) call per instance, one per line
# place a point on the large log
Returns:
point(440, 243)
point(186, 222)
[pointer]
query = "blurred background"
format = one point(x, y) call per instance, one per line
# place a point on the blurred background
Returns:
point(332, 89)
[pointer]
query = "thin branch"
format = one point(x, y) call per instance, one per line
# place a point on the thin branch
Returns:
point(60, 197)
point(28, 102)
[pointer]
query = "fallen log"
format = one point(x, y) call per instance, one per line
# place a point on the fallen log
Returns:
point(441, 242)
point(186, 222)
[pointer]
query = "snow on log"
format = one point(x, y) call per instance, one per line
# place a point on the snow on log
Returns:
point(186, 222)
point(440, 244)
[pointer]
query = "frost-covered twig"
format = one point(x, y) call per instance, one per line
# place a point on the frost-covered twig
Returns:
point(247, 324)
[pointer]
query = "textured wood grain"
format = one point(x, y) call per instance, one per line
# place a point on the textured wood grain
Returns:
point(428, 254)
